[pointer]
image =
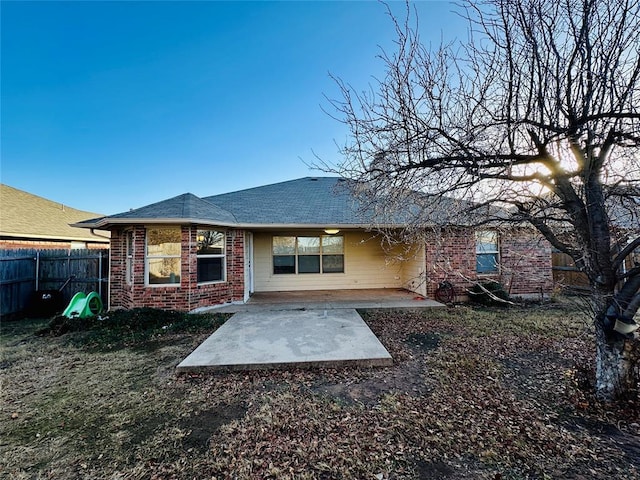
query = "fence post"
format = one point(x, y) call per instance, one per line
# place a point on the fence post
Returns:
point(37, 271)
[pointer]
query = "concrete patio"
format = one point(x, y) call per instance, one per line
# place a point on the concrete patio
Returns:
point(272, 339)
point(308, 329)
point(330, 299)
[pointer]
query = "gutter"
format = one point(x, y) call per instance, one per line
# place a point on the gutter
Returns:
point(92, 230)
point(103, 223)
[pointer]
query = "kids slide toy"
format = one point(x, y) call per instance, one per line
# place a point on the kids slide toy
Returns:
point(83, 306)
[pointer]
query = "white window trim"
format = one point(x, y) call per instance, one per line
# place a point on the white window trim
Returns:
point(129, 255)
point(495, 252)
point(156, 257)
point(215, 255)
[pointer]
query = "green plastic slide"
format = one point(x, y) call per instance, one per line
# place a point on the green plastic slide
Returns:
point(83, 306)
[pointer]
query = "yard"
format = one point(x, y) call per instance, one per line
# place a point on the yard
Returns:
point(474, 393)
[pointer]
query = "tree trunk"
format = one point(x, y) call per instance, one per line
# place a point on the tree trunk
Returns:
point(617, 361)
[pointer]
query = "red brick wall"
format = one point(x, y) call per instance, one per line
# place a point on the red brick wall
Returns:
point(525, 261)
point(189, 295)
point(451, 255)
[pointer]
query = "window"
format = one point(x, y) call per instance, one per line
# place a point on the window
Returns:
point(129, 257)
point(308, 254)
point(284, 254)
point(211, 256)
point(163, 256)
point(487, 251)
point(332, 254)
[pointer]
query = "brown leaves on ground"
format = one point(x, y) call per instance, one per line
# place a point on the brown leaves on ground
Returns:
point(472, 394)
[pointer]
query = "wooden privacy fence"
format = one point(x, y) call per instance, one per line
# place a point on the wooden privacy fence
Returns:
point(566, 274)
point(26, 271)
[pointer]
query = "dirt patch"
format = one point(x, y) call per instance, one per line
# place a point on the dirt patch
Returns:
point(441, 470)
point(202, 425)
point(411, 380)
point(424, 341)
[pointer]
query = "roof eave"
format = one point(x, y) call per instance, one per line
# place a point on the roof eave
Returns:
point(105, 223)
point(35, 236)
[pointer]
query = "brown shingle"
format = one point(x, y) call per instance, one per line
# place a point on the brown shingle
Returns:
point(23, 215)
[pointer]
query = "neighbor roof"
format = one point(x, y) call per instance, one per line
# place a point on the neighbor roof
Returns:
point(27, 216)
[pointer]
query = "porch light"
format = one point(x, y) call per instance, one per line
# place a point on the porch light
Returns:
point(331, 231)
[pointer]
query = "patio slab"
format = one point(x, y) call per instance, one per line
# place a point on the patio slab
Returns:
point(329, 299)
point(271, 339)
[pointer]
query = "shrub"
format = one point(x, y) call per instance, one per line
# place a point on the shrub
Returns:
point(489, 293)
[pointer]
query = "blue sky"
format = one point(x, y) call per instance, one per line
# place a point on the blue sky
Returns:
point(108, 106)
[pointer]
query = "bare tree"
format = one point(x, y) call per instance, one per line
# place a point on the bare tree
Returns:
point(537, 113)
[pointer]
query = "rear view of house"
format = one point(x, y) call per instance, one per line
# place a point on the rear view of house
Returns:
point(307, 234)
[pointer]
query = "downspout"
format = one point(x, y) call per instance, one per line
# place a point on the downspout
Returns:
point(109, 280)
point(93, 232)
point(422, 266)
point(189, 261)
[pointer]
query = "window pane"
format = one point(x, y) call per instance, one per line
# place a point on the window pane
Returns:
point(284, 245)
point(482, 248)
point(163, 241)
point(308, 245)
point(332, 244)
point(486, 241)
point(210, 269)
point(309, 264)
point(210, 242)
point(129, 261)
point(333, 263)
point(487, 263)
point(129, 243)
point(284, 264)
point(164, 270)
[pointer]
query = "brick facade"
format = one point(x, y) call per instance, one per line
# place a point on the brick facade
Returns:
point(525, 263)
point(189, 294)
point(524, 257)
point(450, 254)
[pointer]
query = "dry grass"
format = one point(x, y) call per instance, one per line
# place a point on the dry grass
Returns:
point(473, 393)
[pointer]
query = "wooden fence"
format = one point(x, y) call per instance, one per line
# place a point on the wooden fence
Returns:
point(566, 275)
point(27, 271)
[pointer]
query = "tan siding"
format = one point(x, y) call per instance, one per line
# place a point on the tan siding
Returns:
point(413, 270)
point(366, 266)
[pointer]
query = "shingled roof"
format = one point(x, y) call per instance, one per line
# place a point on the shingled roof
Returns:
point(186, 207)
point(27, 216)
point(309, 201)
point(305, 201)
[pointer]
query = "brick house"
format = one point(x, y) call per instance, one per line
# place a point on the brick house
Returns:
point(188, 252)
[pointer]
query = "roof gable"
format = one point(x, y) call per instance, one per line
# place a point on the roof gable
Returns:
point(183, 207)
point(305, 201)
